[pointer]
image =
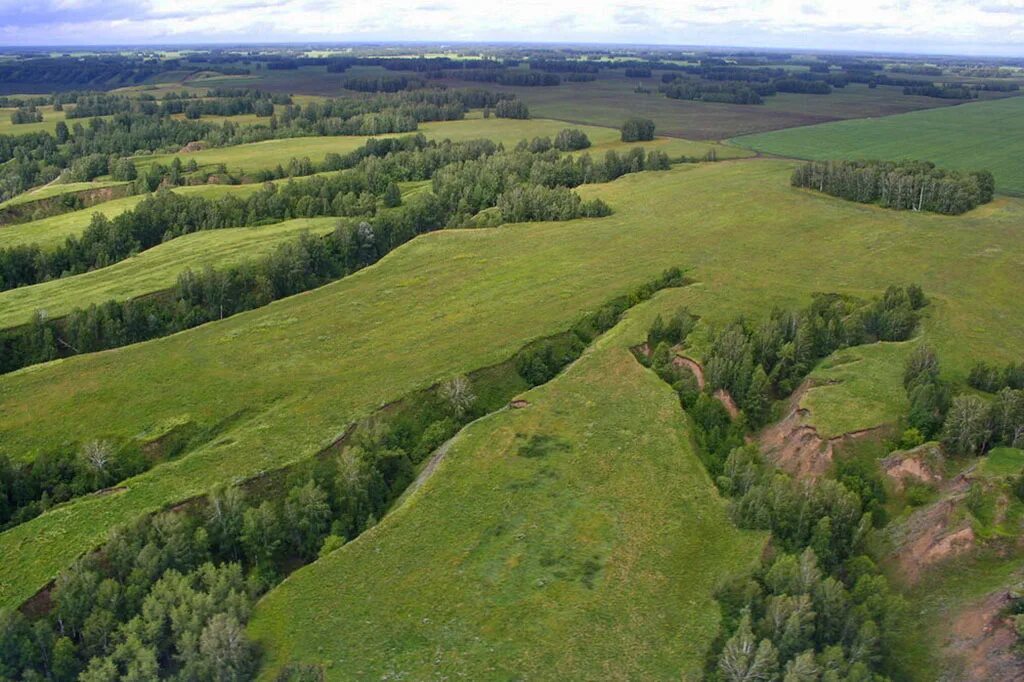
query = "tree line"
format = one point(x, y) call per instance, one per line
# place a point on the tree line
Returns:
point(966, 424)
point(900, 185)
point(168, 596)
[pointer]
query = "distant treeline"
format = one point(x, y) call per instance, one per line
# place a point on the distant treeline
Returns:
point(36, 158)
point(901, 185)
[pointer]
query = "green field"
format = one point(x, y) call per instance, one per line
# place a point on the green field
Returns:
point(596, 560)
point(980, 135)
point(452, 301)
point(268, 154)
point(152, 270)
point(51, 232)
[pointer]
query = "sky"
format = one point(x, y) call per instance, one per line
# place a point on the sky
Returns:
point(994, 27)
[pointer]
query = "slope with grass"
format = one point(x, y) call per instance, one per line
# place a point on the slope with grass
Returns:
point(153, 270)
point(303, 368)
point(980, 135)
point(57, 189)
point(577, 537)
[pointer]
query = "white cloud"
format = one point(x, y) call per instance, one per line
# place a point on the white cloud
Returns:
point(934, 25)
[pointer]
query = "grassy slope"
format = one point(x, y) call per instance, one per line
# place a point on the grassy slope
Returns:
point(452, 301)
point(47, 191)
point(972, 136)
point(860, 388)
point(152, 270)
point(52, 231)
point(262, 155)
point(484, 572)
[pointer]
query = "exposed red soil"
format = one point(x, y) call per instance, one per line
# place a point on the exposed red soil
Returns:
point(693, 366)
point(931, 535)
point(984, 640)
point(518, 404)
point(194, 146)
point(917, 465)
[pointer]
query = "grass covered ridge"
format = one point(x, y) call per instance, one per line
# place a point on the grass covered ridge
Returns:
point(577, 537)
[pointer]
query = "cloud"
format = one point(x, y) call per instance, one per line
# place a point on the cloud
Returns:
point(905, 25)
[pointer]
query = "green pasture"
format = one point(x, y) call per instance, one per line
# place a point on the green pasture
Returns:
point(57, 189)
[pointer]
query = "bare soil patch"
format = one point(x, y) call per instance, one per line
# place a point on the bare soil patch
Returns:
point(984, 639)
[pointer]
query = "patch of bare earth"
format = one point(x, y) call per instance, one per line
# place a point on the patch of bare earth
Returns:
point(194, 146)
point(984, 639)
point(930, 536)
point(918, 465)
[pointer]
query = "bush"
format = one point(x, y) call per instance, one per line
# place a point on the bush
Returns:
point(638, 130)
point(571, 139)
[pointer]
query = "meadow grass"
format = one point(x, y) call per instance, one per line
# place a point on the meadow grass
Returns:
point(980, 135)
point(578, 537)
point(301, 369)
point(152, 270)
point(1002, 462)
point(858, 388)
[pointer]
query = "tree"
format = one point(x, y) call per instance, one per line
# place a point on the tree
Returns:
point(226, 654)
point(307, 516)
point(637, 130)
point(967, 428)
point(921, 365)
point(392, 195)
point(123, 169)
point(458, 393)
point(61, 132)
point(97, 455)
point(261, 532)
point(744, 660)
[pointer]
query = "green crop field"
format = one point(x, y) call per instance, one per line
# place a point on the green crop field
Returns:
point(52, 231)
point(292, 375)
point(268, 154)
point(620, 527)
point(980, 135)
point(152, 270)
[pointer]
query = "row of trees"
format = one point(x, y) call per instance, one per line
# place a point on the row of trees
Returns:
point(967, 424)
point(901, 185)
point(27, 114)
point(990, 378)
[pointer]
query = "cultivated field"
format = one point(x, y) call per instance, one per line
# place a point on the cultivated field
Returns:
point(152, 270)
point(615, 522)
point(453, 301)
point(979, 135)
point(609, 100)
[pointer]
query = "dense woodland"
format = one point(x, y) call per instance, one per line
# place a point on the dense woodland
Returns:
point(901, 185)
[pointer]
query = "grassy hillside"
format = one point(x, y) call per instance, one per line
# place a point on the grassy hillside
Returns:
point(47, 191)
point(971, 136)
point(578, 537)
point(293, 374)
point(268, 154)
point(152, 270)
